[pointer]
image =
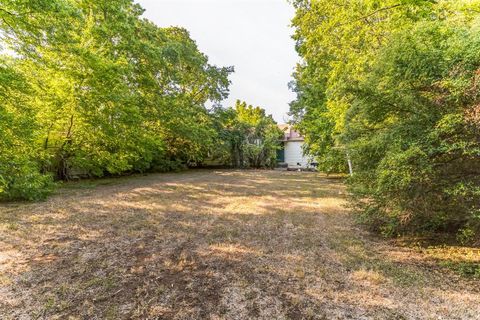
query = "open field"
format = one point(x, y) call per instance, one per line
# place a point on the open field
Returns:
point(218, 245)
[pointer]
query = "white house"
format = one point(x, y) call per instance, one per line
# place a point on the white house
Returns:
point(291, 153)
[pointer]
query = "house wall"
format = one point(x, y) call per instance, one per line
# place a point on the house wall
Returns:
point(294, 154)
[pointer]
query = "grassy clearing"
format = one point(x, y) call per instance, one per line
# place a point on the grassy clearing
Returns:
point(219, 245)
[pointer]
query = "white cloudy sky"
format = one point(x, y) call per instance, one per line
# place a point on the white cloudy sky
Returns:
point(251, 35)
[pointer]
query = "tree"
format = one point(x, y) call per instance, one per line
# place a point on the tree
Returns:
point(20, 177)
point(249, 137)
point(391, 83)
point(109, 92)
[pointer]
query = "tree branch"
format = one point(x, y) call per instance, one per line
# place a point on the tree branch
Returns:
point(7, 12)
point(372, 14)
point(8, 24)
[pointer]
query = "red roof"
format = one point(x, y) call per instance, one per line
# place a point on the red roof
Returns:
point(290, 134)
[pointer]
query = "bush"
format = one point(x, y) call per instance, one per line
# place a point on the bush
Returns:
point(22, 180)
point(420, 167)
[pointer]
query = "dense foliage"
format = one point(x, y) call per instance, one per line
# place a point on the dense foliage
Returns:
point(247, 137)
point(90, 88)
point(394, 86)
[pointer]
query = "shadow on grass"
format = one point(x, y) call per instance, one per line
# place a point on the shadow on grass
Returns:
point(223, 244)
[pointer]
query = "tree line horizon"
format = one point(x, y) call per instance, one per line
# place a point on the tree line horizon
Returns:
point(92, 89)
point(390, 88)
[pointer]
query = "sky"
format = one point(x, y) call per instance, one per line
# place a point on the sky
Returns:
point(254, 36)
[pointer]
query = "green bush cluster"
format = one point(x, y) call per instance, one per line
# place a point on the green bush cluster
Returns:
point(394, 85)
point(248, 138)
point(89, 88)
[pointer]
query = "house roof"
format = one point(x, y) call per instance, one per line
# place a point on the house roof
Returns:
point(290, 134)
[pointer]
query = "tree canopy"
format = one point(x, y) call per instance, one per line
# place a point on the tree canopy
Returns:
point(249, 138)
point(393, 85)
point(91, 88)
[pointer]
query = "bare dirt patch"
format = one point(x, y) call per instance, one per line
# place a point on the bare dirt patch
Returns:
point(215, 245)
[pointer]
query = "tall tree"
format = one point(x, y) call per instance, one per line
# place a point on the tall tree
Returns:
point(389, 84)
point(109, 92)
point(248, 135)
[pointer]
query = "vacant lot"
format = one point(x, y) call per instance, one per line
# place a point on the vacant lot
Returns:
point(218, 245)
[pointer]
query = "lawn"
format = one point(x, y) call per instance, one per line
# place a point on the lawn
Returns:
point(219, 245)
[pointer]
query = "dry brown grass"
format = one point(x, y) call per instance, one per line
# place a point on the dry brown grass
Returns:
point(215, 245)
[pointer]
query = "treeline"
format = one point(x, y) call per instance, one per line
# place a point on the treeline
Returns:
point(247, 137)
point(89, 88)
point(394, 87)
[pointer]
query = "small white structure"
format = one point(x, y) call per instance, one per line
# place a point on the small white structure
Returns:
point(292, 152)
